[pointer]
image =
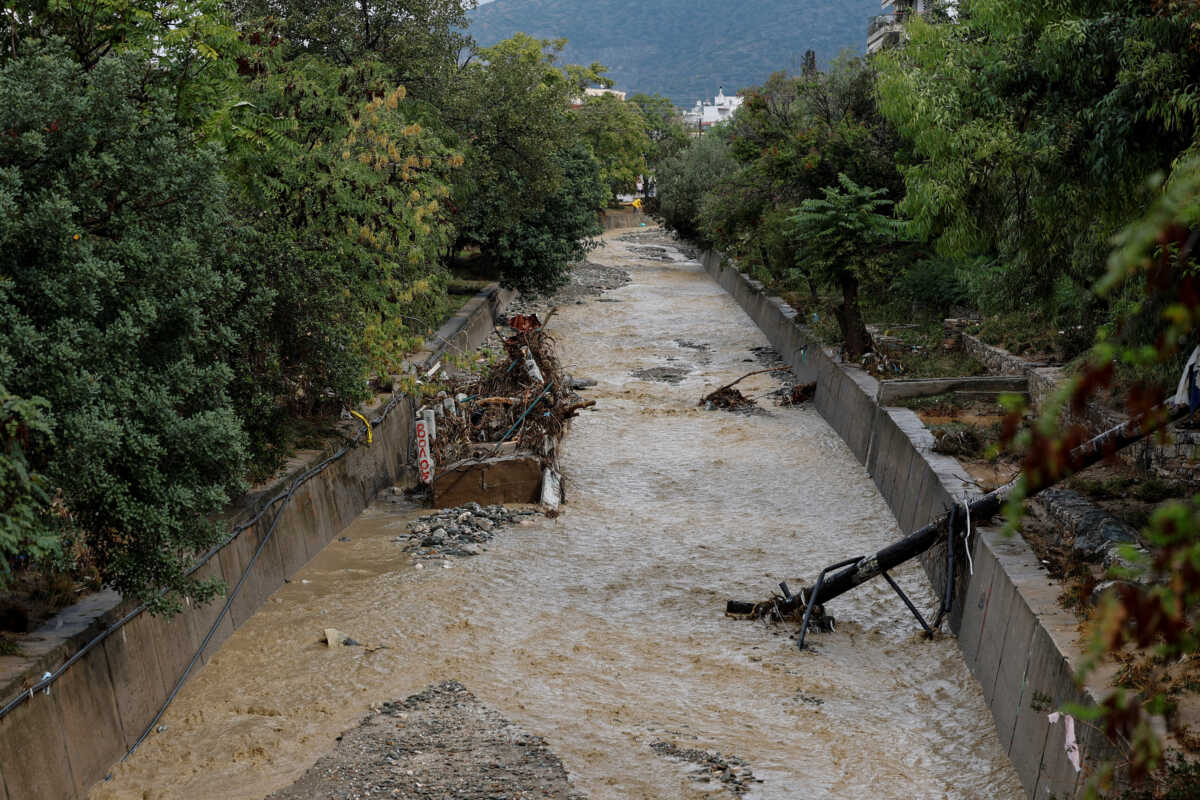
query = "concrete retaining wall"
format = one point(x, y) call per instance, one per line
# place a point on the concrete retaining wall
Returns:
point(1018, 642)
point(57, 744)
point(613, 218)
point(1177, 459)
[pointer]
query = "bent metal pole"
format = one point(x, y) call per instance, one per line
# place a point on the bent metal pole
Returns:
point(987, 505)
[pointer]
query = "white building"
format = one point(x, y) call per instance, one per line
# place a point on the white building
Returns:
point(577, 102)
point(600, 92)
point(887, 30)
point(705, 114)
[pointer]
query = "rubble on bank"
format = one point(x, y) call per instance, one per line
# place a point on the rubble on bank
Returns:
point(458, 531)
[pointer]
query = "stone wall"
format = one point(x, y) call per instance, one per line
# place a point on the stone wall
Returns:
point(1178, 458)
point(1019, 643)
point(59, 742)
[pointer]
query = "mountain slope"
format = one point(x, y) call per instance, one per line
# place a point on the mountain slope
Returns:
point(684, 49)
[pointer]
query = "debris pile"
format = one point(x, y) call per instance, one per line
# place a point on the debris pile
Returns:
point(798, 394)
point(437, 744)
point(729, 398)
point(457, 531)
point(519, 406)
point(780, 608)
point(732, 772)
point(956, 442)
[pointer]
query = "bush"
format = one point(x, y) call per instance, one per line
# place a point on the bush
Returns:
point(120, 310)
point(25, 432)
point(684, 179)
point(932, 284)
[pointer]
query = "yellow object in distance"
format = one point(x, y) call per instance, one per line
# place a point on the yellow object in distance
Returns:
point(364, 422)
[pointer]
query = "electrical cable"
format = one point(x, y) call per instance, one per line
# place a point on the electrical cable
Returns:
point(283, 497)
point(299, 481)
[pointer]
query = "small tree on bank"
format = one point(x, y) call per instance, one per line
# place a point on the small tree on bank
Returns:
point(846, 242)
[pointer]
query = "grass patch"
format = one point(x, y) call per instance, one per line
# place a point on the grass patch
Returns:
point(1148, 490)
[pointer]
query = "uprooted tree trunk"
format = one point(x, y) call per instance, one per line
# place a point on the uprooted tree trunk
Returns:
point(855, 336)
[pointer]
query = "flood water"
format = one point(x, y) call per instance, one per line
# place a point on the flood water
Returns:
point(603, 630)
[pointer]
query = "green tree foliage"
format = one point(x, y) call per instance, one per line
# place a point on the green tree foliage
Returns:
point(510, 110)
point(664, 127)
point(216, 219)
point(418, 40)
point(349, 224)
point(684, 179)
point(792, 138)
point(121, 308)
point(616, 132)
point(26, 431)
point(1154, 615)
point(537, 252)
point(1033, 126)
point(847, 242)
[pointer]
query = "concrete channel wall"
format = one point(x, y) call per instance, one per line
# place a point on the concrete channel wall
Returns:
point(1019, 643)
point(57, 744)
point(613, 218)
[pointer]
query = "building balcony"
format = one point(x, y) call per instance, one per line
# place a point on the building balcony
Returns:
point(884, 30)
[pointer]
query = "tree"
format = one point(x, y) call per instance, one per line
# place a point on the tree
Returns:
point(616, 132)
point(537, 252)
point(664, 127)
point(1150, 618)
point(1033, 126)
point(349, 214)
point(418, 41)
point(683, 180)
point(120, 308)
point(791, 138)
point(847, 242)
point(509, 110)
point(809, 68)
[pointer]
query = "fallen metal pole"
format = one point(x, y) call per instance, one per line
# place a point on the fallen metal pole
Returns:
point(985, 506)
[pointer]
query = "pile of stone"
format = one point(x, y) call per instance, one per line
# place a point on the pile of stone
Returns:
point(437, 744)
point(458, 531)
point(731, 772)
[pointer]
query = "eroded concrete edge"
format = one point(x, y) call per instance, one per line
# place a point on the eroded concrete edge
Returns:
point(58, 744)
point(1019, 643)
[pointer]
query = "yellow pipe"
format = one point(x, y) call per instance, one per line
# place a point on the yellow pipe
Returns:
point(364, 422)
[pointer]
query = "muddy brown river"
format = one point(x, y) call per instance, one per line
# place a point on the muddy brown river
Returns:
point(602, 630)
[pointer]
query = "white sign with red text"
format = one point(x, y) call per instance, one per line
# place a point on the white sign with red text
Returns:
point(424, 456)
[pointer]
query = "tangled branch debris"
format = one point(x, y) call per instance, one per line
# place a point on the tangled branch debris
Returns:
point(800, 393)
point(727, 397)
point(518, 405)
point(779, 608)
